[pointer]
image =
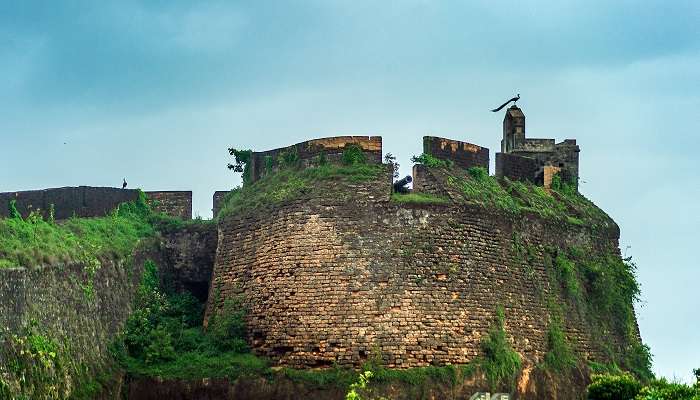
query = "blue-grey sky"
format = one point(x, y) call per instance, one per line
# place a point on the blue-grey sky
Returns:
point(155, 91)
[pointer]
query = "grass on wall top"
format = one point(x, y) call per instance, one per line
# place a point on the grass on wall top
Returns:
point(561, 202)
point(290, 183)
point(32, 241)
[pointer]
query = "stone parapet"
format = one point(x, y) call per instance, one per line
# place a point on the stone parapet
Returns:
point(463, 154)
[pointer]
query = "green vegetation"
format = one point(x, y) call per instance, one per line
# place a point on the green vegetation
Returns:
point(559, 356)
point(625, 386)
point(448, 374)
point(568, 277)
point(35, 365)
point(288, 158)
point(32, 241)
point(164, 337)
point(432, 162)
point(612, 387)
point(562, 202)
point(661, 389)
point(288, 184)
point(604, 289)
point(40, 367)
point(500, 363)
point(353, 155)
point(418, 198)
point(242, 162)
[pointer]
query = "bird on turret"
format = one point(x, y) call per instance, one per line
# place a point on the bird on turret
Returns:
point(124, 184)
point(514, 100)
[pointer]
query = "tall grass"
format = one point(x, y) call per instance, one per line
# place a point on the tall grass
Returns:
point(33, 241)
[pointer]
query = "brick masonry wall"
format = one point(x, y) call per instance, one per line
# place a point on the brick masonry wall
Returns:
point(174, 203)
point(88, 201)
point(83, 201)
point(331, 147)
point(217, 200)
point(53, 299)
point(187, 258)
point(515, 167)
point(332, 277)
point(465, 155)
point(424, 182)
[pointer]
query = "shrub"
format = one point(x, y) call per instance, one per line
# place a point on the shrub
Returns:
point(12, 209)
point(288, 158)
point(478, 173)
point(661, 389)
point(269, 164)
point(568, 277)
point(562, 186)
point(242, 163)
point(352, 155)
point(227, 328)
point(500, 363)
point(160, 346)
point(638, 359)
point(560, 356)
point(613, 387)
point(432, 162)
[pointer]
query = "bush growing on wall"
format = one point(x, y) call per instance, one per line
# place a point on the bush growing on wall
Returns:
point(242, 162)
point(227, 327)
point(352, 155)
point(432, 162)
point(500, 362)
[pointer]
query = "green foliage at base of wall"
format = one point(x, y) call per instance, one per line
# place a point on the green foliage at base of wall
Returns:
point(661, 389)
point(164, 337)
point(500, 362)
point(624, 386)
point(611, 387)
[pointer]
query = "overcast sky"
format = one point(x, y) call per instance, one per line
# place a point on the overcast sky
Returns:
point(156, 91)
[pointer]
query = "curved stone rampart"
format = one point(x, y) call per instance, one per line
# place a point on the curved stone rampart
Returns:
point(341, 273)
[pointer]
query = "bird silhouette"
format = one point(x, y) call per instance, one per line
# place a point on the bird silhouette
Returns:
point(124, 184)
point(514, 100)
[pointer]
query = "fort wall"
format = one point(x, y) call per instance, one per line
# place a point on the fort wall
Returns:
point(309, 151)
point(464, 155)
point(88, 201)
point(517, 168)
point(173, 203)
point(343, 272)
point(217, 201)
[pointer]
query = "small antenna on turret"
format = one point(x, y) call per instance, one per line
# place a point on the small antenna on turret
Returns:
point(514, 100)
